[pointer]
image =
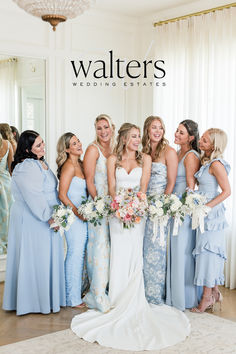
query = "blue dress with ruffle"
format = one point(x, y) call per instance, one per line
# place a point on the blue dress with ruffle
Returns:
point(154, 255)
point(210, 251)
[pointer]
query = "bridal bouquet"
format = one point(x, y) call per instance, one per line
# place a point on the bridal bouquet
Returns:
point(159, 213)
point(129, 206)
point(95, 210)
point(63, 217)
point(195, 204)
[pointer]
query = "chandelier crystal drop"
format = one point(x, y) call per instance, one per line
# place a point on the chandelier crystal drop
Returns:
point(54, 11)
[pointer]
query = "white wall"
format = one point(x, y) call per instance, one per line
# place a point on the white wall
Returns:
point(89, 36)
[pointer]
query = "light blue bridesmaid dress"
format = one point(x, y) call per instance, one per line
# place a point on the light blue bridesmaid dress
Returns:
point(180, 290)
point(210, 252)
point(76, 238)
point(5, 201)
point(35, 279)
point(98, 247)
point(154, 255)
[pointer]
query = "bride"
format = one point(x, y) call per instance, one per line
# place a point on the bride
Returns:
point(132, 323)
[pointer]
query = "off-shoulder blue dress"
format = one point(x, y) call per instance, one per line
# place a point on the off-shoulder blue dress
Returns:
point(35, 260)
point(210, 250)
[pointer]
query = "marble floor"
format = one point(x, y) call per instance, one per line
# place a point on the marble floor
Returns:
point(18, 328)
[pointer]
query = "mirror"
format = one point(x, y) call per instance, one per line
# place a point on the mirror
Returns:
point(22, 92)
point(22, 99)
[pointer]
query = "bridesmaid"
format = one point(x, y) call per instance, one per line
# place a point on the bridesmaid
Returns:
point(7, 134)
point(210, 253)
point(6, 157)
point(163, 176)
point(72, 189)
point(181, 292)
point(35, 261)
point(98, 248)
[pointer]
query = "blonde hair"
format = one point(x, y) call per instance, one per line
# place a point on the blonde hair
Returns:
point(111, 125)
point(62, 155)
point(218, 139)
point(147, 149)
point(6, 133)
point(123, 141)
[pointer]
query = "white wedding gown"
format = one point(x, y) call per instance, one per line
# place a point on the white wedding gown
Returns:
point(132, 323)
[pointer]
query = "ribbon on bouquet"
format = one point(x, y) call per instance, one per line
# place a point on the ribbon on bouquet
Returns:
point(60, 228)
point(160, 223)
point(177, 223)
point(198, 216)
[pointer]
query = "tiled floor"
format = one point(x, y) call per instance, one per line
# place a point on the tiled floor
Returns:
point(17, 328)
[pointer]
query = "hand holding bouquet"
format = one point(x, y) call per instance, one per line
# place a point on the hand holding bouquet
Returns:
point(63, 217)
point(195, 204)
point(129, 206)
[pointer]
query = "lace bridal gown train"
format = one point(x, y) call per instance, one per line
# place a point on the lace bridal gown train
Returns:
point(132, 323)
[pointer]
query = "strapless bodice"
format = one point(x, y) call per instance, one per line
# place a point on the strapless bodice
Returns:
point(158, 179)
point(128, 180)
point(77, 190)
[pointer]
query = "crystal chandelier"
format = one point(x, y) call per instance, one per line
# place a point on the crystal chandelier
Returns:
point(54, 11)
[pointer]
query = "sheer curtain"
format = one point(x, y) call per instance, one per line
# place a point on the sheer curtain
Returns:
point(200, 63)
point(7, 91)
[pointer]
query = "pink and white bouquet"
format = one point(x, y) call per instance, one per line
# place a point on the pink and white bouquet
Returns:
point(63, 217)
point(129, 206)
point(196, 208)
point(95, 210)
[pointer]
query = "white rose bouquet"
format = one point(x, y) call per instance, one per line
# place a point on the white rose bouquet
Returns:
point(95, 210)
point(63, 217)
point(159, 213)
point(195, 204)
point(178, 210)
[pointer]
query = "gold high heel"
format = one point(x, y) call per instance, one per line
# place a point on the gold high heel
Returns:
point(218, 297)
point(209, 304)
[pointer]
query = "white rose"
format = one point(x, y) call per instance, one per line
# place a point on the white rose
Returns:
point(88, 209)
point(174, 207)
point(100, 206)
point(71, 219)
point(159, 212)
point(60, 212)
point(152, 210)
point(158, 204)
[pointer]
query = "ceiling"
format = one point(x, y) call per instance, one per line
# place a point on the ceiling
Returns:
point(138, 8)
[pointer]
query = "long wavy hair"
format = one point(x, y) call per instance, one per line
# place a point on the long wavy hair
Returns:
point(24, 146)
point(122, 143)
point(147, 149)
point(218, 139)
point(62, 145)
point(15, 133)
point(111, 125)
point(192, 129)
point(6, 132)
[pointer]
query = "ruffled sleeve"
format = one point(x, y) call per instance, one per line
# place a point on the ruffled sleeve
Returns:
point(203, 167)
point(224, 163)
point(29, 179)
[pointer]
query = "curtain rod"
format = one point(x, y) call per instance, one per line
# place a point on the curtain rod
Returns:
point(9, 60)
point(204, 12)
